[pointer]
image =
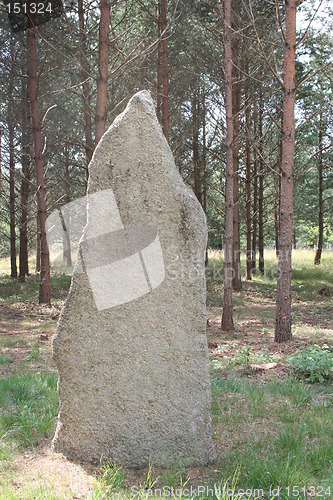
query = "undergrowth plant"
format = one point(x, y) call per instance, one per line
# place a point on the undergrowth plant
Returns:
point(315, 363)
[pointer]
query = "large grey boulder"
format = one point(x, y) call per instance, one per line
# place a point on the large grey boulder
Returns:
point(130, 344)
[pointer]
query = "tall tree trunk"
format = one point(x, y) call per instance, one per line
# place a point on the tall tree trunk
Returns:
point(103, 65)
point(165, 82)
point(248, 187)
point(195, 145)
point(44, 284)
point(85, 85)
point(67, 254)
point(283, 296)
point(13, 265)
point(276, 226)
point(204, 164)
point(261, 191)
point(320, 192)
point(227, 316)
point(38, 246)
point(254, 216)
point(236, 95)
point(278, 210)
point(159, 68)
point(25, 161)
point(0, 156)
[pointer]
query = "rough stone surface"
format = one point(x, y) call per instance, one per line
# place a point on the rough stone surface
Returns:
point(134, 378)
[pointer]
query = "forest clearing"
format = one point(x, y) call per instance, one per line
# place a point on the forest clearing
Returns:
point(270, 427)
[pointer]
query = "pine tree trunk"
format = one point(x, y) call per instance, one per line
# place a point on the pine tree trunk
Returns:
point(159, 68)
point(0, 156)
point(103, 65)
point(67, 253)
point(165, 82)
point(25, 161)
point(44, 284)
point(320, 192)
point(85, 85)
point(255, 207)
point(261, 191)
point(195, 146)
point(204, 164)
point(38, 246)
point(13, 265)
point(283, 296)
point(227, 316)
point(248, 189)
point(277, 226)
point(236, 95)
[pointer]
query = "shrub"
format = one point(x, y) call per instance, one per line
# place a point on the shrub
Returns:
point(315, 363)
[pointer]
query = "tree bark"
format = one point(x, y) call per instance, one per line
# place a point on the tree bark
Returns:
point(204, 163)
point(44, 283)
point(227, 316)
point(255, 204)
point(283, 296)
point(85, 85)
point(165, 82)
point(13, 265)
point(278, 210)
point(248, 187)
point(195, 146)
point(261, 191)
point(159, 68)
point(67, 253)
point(103, 65)
point(25, 183)
point(38, 246)
point(236, 95)
point(0, 157)
point(320, 192)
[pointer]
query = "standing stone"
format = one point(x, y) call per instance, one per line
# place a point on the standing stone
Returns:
point(130, 345)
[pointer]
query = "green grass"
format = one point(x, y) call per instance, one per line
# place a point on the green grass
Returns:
point(284, 436)
point(28, 407)
point(12, 291)
point(307, 279)
point(270, 432)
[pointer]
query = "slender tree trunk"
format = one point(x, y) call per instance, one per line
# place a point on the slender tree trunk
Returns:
point(255, 202)
point(38, 246)
point(261, 191)
point(0, 157)
point(67, 254)
point(277, 222)
point(227, 316)
point(165, 82)
point(248, 188)
point(320, 192)
point(13, 265)
point(85, 85)
point(103, 65)
point(204, 164)
point(254, 218)
point(25, 161)
point(44, 284)
point(236, 95)
point(195, 145)
point(283, 296)
point(276, 226)
point(159, 68)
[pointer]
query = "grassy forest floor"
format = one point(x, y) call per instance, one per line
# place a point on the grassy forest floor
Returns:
point(271, 428)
